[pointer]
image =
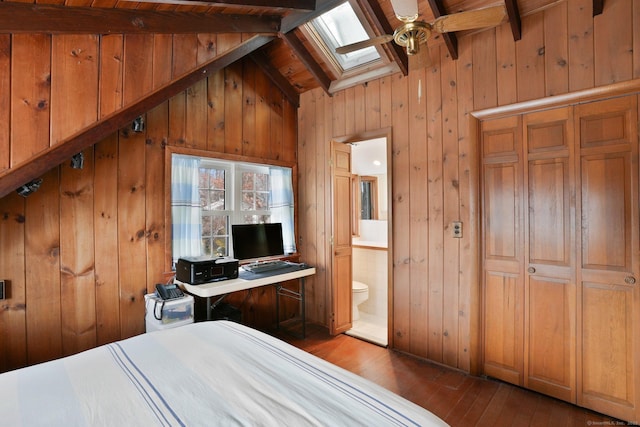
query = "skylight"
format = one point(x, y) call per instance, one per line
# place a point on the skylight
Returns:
point(341, 26)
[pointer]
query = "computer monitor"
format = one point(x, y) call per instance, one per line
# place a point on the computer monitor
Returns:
point(252, 241)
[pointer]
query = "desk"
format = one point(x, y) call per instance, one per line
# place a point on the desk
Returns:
point(224, 287)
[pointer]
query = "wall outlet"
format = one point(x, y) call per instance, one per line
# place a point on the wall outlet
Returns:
point(456, 229)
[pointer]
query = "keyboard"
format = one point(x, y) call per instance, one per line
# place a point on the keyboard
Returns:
point(263, 267)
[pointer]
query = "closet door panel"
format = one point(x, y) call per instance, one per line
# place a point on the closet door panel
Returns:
point(609, 258)
point(503, 291)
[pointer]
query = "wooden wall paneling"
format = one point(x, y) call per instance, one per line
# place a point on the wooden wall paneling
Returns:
point(178, 121)
point(636, 41)
point(162, 59)
point(275, 110)
point(303, 196)
point(315, 289)
point(77, 262)
point(530, 57)
point(13, 332)
point(249, 109)
point(385, 103)
point(5, 100)
point(338, 114)
point(215, 118)
point(451, 211)
point(359, 109)
point(580, 42)
point(419, 200)
point(196, 115)
point(233, 103)
point(400, 337)
point(435, 221)
point(138, 66)
point(469, 298)
point(155, 229)
point(105, 225)
point(555, 50)
point(613, 43)
point(350, 109)
point(131, 232)
point(207, 47)
point(30, 96)
point(111, 82)
point(74, 84)
point(319, 170)
point(185, 53)
point(289, 132)
point(485, 84)
point(372, 105)
point(263, 122)
point(42, 250)
point(506, 65)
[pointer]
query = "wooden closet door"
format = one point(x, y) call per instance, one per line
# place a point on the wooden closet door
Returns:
point(609, 299)
point(549, 280)
point(502, 290)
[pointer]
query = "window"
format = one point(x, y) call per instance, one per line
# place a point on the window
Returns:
point(342, 25)
point(208, 196)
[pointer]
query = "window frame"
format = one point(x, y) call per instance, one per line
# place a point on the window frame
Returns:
point(365, 72)
point(218, 158)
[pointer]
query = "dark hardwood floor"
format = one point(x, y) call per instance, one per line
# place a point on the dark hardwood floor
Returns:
point(457, 398)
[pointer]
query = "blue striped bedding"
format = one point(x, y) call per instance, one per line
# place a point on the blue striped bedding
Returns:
point(205, 374)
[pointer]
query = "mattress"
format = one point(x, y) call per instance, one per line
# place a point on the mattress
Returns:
point(204, 374)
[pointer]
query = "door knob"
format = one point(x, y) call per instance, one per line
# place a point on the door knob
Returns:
point(630, 280)
point(531, 270)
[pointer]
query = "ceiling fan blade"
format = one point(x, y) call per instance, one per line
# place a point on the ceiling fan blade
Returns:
point(364, 43)
point(405, 10)
point(481, 18)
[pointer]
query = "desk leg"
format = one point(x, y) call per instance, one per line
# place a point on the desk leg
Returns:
point(208, 308)
point(303, 314)
point(299, 296)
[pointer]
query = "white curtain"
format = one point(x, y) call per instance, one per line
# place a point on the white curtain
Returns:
point(281, 205)
point(185, 206)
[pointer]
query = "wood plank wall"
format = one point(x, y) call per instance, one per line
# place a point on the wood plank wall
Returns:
point(80, 253)
point(563, 49)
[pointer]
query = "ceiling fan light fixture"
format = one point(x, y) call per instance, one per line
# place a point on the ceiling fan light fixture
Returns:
point(411, 35)
point(405, 10)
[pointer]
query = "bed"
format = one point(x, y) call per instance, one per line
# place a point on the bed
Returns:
point(204, 374)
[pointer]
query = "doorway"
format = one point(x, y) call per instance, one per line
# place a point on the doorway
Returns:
point(370, 242)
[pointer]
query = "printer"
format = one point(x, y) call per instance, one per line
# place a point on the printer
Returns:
point(199, 270)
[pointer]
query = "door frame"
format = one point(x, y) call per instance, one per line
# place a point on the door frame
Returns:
point(363, 136)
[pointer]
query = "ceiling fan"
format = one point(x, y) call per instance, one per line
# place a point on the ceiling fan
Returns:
point(413, 33)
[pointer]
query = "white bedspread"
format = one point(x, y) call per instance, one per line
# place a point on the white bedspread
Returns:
point(205, 374)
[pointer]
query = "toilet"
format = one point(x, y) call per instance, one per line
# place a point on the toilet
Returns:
point(360, 293)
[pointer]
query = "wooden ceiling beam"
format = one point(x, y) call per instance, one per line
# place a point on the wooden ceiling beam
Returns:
point(380, 21)
point(309, 62)
point(295, 19)
point(276, 5)
point(514, 19)
point(450, 39)
point(598, 7)
point(28, 18)
point(61, 152)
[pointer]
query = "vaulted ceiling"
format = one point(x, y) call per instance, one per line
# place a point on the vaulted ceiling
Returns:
point(281, 50)
point(288, 58)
